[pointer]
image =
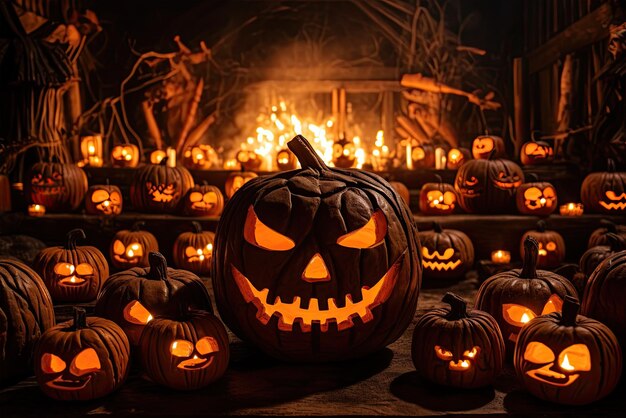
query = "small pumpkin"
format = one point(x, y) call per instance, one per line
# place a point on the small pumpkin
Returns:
point(487, 147)
point(235, 180)
point(456, 347)
point(58, 187)
point(446, 253)
point(596, 255)
point(134, 297)
point(72, 273)
point(249, 160)
point(605, 192)
point(286, 160)
point(26, 311)
point(344, 153)
point(536, 198)
point(5, 194)
point(186, 353)
point(125, 155)
point(423, 156)
point(536, 152)
point(599, 236)
point(551, 246)
point(437, 198)
point(193, 251)
point(103, 200)
point(199, 157)
point(457, 157)
point(402, 190)
point(160, 188)
point(130, 247)
point(517, 296)
point(203, 200)
point(83, 359)
point(568, 358)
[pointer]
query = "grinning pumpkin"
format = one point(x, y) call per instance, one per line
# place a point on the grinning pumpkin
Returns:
point(344, 153)
point(437, 198)
point(536, 198)
point(199, 157)
point(457, 157)
point(26, 311)
point(456, 347)
point(536, 152)
point(132, 298)
point(159, 188)
point(235, 180)
point(126, 155)
point(596, 255)
point(423, 156)
point(203, 200)
point(185, 353)
point(317, 264)
point(286, 160)
point(402, 190)
point(598, 236)
point(551, 246)
point(605, 192)
point(72, 273)
point(488, 186)
point(446, 253)
point(83, 359)
point(568, 358)
point(104, 200)
point(515, 297)
point(488, 146)
point(193, 251)
point(130, 248)
point(605, 295)
point(58, 187)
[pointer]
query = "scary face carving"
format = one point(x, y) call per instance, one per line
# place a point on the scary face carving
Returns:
point(130, 247)
point(484, 147)
point(344, 154)
point(204, 200)
point(536, 153)
point(193, 251)
point(160, 188)
point(104, 200)
point(613, 201)
point(605, 192)
point(506, 180)
point(536, 198)
point(561, 370)
point(162, 192)
point(518, 315)
point(446, 253)
point(285, 160)
point(58, 187)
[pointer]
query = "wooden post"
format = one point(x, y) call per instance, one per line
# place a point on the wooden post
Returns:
point(74, 110)
point(519, 104)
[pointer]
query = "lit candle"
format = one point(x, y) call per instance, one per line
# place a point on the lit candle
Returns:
point(571, 209)
point(91, 150)
point(156, 156)
point(500, 257)
point(36, 210)
point(409, 155)
point(171, 157)
point(440, 159)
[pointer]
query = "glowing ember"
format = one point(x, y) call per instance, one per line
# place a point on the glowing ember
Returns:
point(525, 318)
point(565, 364)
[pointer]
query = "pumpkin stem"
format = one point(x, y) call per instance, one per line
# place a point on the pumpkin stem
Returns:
point(610, 226)
point(531, 250)
point(163, 162)
point(72, 236)
point(570, 311)
point(80, 319)
point(616, 242)
point(305, 153)
point(137, 226)
point(158, 267)
point(437, 227)
point(458, 306)
point(541, 226)
point(197, 228)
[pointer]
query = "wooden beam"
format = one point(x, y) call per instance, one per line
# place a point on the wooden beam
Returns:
point(326, 86)
point(519, 104)
point(585, 31)
point(322, 73)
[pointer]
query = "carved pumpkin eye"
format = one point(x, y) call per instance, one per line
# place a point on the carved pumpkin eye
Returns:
point(369, 235)
point(449, 198)
point(207, 345)
point(472, 181)
point(210, 197)
point(52, 364)
point(551, 246)
point(575, 358)
point(538, 353)
point(262, 236)
point(471, 353)
point(447, 254)
point(195, 197)
point(136, 313)
point(549, 192)
point(442, 353)
point(532, 193)
point(181, 348)
point(554, 304)
point(64, 269)
point(84, 269)
point(434, 195)
point(86, 361)
point(613, 196)
point(517, 315)
point(118, 247)
point(99, 196)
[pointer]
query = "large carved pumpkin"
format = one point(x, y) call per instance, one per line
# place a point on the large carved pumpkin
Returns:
point(159, 188)
point(551, 246)
point(515, 297)
point(26, 311)
point(605, 192)
point(58, 187)
point(193, 250)
point(456, 347)
point(317, 264)
point(488, 146)
point(446, 253)
point(599, 236)
point(130, 247)
point(568, 358)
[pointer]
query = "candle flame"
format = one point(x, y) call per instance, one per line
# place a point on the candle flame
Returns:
point(525, 318)
point(565, 364)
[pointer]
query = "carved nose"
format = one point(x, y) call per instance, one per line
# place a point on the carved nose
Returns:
point(316, 270)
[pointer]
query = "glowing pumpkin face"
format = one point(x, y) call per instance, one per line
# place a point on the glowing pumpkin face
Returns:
point(199, 157)
point(344, 154)
point(236, 180)
point(204, 200)
point(58, 187)
point(423, 156)
point(160, 188)
point(285, 160)
point(249, 160)
point(551, 246)
point(133, 253)
point(193, 251)
point(484, 147)
point(446, 253)
point(437, 199)
point(457, 157)
point(125, 155)
point(605, 192)
point(536, 198)
point(536, 153)
point(103, 200)
point(130, 247)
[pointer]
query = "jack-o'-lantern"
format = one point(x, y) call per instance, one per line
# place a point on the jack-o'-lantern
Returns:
point(186, 353)
point(235, 180)
point(193, 251)
point(126, 155)
point(551, 246)
point(130, 247)
point(598, 236)
point(515, 297)
point(203, 200)
point(72, 273)
point(134, 297)
point(536, 198)
point(286, 160)
point(487, 147)
point(160, 188)
point(26, 311)
point(437, 198)
point(456, 347)
point(317, 264)
point(249, 160)
point(344, 153)
point(536, 152)
point(402, 190)
point(199, 157)
point(605, 192)
point(58, 187)
point(423, 156)
point(568, 358)
point(103, 200)
point(596, 255)
point(446, 253)
point(457, 157)
point(83, 359)
point(488, 186)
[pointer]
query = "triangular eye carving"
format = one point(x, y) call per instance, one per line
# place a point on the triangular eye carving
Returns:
point(262, 236)
point(370, 235)
point(554, 304)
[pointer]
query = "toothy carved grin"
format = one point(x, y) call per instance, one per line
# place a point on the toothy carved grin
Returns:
point(507, 185)
point(435, 265)
point(614, 205)
point(46, 190)
point(288, 313)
